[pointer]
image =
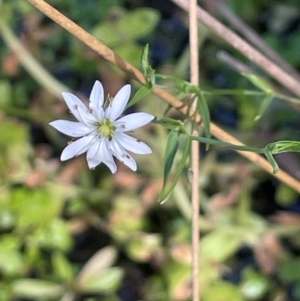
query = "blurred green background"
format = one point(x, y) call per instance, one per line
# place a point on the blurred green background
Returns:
point(68, 233)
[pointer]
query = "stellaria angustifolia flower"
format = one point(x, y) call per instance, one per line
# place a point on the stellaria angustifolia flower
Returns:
point(101, 131)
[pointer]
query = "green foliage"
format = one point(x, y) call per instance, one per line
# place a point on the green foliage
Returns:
point(6, 93)
point(62, 267)
point(97, 275)
point(124, 29)
point(11, 261)
point(290, 270)
point(49, 209)
point(13, 163)
point(149, 73)
point(171, 150)
point(229, 239)
point(36, 289)
point(184, 89)
point(222, 291)
point(254, 285)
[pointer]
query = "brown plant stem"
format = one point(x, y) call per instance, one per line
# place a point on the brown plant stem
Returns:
point(246, 31)
point(243, 47)
point(195, 154)
point(109, 55)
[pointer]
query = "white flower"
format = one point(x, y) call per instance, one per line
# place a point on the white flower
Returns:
point(102, 133)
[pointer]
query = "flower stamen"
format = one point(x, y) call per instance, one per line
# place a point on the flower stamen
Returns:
point(106, 129)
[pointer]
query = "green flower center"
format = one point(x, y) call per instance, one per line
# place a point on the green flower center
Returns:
point(106, 128)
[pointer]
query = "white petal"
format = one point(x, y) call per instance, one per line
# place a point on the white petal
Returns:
point(132, 144)
point(97, 100)
point(118, 104)
point(76, 148)
point(73, 102)
point(100, 152)
point(133, 121)
point(122, 155)
point(87, 117)
point(107, 157)
point(71, 128)
point(93, 155)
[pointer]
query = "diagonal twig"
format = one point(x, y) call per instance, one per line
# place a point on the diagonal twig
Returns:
point(246, 31)
point(243, 47)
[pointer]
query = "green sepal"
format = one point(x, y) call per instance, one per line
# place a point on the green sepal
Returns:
point(140, 93)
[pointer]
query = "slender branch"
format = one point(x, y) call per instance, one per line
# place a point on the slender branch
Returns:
point(243, 47)
point(253, 37)
point(109, 55)
point(194, 66)
point(244, 148)
point(235, 64)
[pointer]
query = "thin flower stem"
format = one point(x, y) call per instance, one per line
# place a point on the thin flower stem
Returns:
point(131, 71)
point(243, 147)
point(194, 66)
point(234, 92)
point(288, 98)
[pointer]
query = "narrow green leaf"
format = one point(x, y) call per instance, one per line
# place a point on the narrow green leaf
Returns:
point(237, 92)
point(149, 73)
point(258, 82)
point(170, 123)
point(145, 62)
point(150, 76)
point(171, 150)
point(283, 146)
point(205, 114)
point(36, 289)
point(141, 93)
point(166, 193)
point(264, 105)
point(241, 147)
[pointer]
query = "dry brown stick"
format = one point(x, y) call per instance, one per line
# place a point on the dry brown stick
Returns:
point(233, 63)
point(109, 55)
point(195, 154)
point(240, 26)
point(243, 47)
